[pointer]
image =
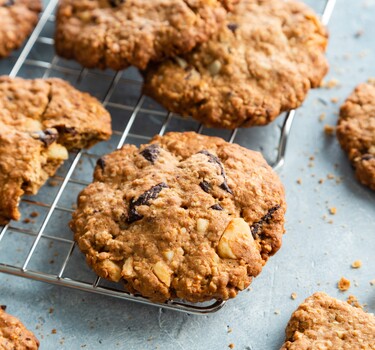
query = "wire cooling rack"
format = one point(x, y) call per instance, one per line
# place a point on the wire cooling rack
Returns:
point(41, 247)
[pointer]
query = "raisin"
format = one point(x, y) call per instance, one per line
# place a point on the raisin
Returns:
point(115, 3)
point(224, 186)
point(265, 219)
point(151, 153)
point(205, 186)
point(9, 3)
point(62, 129)
point(101, 163)
point(232, 27)
point(217, 207)
point(47, 136)
point(144, 199)
point(3, 307)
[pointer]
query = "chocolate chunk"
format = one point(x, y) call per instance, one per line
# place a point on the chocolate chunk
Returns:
point(205, 186)
point(101, 163)
point(115, 3)
point(3, 307)
point(47, 136)
point(367, 157)
point(213, 159)
point(144, 199)
point(151, 153)
point(232, 27)
point(62, 129)
point(9, 3)
point(217, 207)
point(265, 219)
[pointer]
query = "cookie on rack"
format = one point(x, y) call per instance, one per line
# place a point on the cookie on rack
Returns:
point(262, 63)
point(187, 216)
point(14, 335)
point(323, 322)
point(116, 33)
point(18, 19)
point(356, 131)
point(40, 120)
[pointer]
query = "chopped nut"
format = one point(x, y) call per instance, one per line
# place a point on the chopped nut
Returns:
point(202, 225)
point(181, 62)
point(215, 67)
point(340, 334)
point(357, 264)
point(343, 284)
point(110, 270)
point(332, 211)
point(127, 269)
point(329, 129)
point(56, 151)
point(168, 254)
point(163, 272)
point(293, 296)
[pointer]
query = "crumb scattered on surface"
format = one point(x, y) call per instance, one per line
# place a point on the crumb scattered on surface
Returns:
point(26, 221)
point(333, 211)
point(334, 99)
point(372, 282)
point(53, 183)
point(330, 176)
point(51, 309)
point(322, 117)
point(358, 33)
point(343, 284)
point(231, 346)
point(299, 181)
point(34, 214)
point(330, 84)
point(293, 296)
point(357, 264)
point(277, 312)
point(54, 331)
point(353, 301)
point(329, 129)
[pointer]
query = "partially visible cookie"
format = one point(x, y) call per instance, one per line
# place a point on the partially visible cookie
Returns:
point(116, 33)
point(186, 216)
point(323, 322)
point(263, 62)
point(356, 131)
point(14, 335)
point(18, 19)
point(40, 120)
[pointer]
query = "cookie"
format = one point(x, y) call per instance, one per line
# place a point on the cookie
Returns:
point(18, 19)
point(356, 132)
point(116, 33)
point(40, 120)
point(323, 322)
point(262, 63)
point(14, 335)
point(187, 216)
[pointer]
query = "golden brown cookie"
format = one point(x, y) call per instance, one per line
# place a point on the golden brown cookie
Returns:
point(356, 132)
point(187, 216)
point(323, 322)
point(40, 120)
point(18, 19)
point(263, 62)
point(14, 335)
point(116, 33)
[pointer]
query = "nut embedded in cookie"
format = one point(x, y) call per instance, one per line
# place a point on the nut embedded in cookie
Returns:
point(148, 219)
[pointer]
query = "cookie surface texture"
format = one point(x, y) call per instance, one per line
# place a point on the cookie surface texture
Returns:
point(40, 120)
point(14, 335)
point(18, 19)
point(116, 34)
point(356, 132)
point(186, 216)
point(323, 322)
point(263, 62)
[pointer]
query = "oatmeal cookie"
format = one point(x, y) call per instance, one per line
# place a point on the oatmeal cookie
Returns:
point(116, 33)
point(18, 19)
point(263, 62)
point(40, 120)
point(14, 335)
point(356, 131)
point(323, 322)
point(187, 216)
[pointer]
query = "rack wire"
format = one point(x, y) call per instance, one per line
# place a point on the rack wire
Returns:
point(45, 249)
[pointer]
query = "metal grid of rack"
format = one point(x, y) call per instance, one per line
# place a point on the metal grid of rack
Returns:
point(45, 250)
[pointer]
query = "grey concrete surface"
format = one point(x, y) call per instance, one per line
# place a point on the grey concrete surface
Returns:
point(318, 248)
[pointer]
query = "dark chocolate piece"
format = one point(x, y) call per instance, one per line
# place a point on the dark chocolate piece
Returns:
point(47, 136)
point(205, 186)
point(101, 163)
point(232, 27)
point(217, 207)
point(151, 153)
point(265, 219)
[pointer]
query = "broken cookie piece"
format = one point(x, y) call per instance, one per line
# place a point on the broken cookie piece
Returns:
point(159, 217)
point(40, 121)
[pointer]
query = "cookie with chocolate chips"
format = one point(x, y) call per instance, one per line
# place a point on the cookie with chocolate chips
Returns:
point(18, 19)
point(40, 120)
point(323, 322)
point(356, 131)
point(14, 335)
point(116, 33)
point(186, 216)
point(262, 63)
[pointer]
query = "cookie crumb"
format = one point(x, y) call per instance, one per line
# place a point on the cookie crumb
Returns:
point(358, 33)
point(293, 296)
point(330, 176)
point(330, 84)
point(321, 181)
point(51, 309)
point(372, 282)
point(34, 214)
point(322, 117)
point(54, 331)
point(26, 221)
point(231, 346)
point(277, 312)
point(353, 301)
point(334, 99)
point(329, 129)
point(299, 181)
point(333, 211)
point(343, 284)
point(357, 264)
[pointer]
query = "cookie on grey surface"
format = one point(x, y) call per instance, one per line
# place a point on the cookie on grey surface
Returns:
point(14, 335)
point(323, 322)
point(263, 62)
point(187, 216)
point(356, 131)
point(116, 34)
point(40, 120)
point(18, 19)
